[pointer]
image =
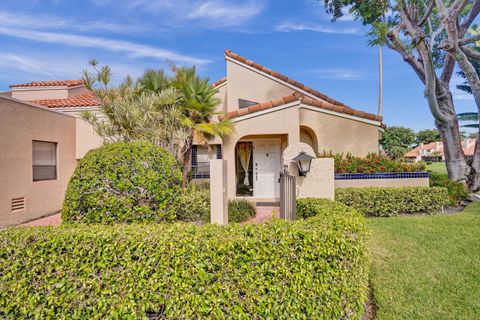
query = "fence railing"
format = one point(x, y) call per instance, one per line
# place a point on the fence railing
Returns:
point(288, 193)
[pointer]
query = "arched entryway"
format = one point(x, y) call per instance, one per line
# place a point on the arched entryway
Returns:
point(308, 136)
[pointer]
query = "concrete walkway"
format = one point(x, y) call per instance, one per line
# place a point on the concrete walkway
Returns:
point(53, 220)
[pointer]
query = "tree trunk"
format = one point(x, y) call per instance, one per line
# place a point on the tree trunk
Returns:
point(186, 154)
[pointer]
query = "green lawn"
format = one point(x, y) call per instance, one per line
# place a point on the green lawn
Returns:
point(437, 167)
point(427, 267)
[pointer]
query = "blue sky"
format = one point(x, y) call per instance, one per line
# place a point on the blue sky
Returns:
point(53, 39)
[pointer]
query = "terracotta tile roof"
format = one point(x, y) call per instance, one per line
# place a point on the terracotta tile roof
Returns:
point(468, 146)
point(282, 77)
point(54, 83)
point(219, 82)
point(82, 100)
point(297, 96)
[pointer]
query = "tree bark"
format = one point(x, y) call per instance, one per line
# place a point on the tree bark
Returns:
point(186, 153)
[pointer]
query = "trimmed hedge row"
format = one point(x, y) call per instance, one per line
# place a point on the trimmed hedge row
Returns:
point(123, 182)
point(308, 269)
point(384, 202)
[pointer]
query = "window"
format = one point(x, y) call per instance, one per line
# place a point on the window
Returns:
point(242, 103)
point(201, 160)
point(44, 158)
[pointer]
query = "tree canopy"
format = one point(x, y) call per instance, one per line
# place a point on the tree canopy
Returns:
point(397, 140)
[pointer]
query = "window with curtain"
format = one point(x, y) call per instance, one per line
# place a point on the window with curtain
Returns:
point(44, 158)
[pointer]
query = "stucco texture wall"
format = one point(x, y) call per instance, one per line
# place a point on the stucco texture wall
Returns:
point(260, 88)
point(340, 135)
point(275, 124)
point(20, 124)
point(86, 138)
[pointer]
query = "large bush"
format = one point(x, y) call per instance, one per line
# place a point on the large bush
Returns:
point(240, 210)
point(123, 182)
point(384, 202)
point(194, 204)
point(308, 269)
point(372, 163)
point(456, 190)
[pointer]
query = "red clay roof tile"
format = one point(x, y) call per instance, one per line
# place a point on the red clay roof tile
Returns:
point(53, 83)
point(87, 99)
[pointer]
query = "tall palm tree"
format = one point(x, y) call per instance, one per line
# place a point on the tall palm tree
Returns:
point(380, 80)
point(199, 108)
point(469, 116)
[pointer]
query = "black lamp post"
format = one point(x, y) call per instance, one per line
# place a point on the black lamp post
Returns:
point(304, 161)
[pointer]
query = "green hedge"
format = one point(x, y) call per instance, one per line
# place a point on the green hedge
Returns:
point(309, 207)
point(456, 190)
point(384, 202)
point(123, 182)
point(194, 204)
point(307, 269)
point(240, 210)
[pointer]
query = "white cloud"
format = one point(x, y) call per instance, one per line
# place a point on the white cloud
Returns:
point(339, 74)
point(131, 48)
point(19, 20)
point(225, 13)
point(292, 26)
point(205, 13)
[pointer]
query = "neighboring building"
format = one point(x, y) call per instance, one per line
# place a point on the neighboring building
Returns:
point(272, 111)
point(433, 151)
point(43, 135)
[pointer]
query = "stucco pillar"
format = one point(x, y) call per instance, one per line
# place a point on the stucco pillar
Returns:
point(218, 192)
point(319, 182)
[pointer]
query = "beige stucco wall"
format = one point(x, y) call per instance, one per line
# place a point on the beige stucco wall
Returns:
point(340, 135)
point(86, 138)
point(364, 183)
point(222, 96)
point(20, 124)
point(271, 125)
point(251, 85)
point(39, 94)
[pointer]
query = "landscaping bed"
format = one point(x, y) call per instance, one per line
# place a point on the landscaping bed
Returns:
point(314, 268)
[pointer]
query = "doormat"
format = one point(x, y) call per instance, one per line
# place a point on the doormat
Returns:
point(267, 204)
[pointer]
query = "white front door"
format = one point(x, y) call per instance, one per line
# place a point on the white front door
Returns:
point(266, 168)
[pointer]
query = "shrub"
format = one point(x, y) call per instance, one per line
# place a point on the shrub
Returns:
point(123, 182)
point(309, 207)
point(194, 204)
point(456, 190)
point(372, 163)
point(240, 210)
point(311, 269)
point(383, 202)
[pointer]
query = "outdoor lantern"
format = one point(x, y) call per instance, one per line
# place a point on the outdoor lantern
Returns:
point(304, 162)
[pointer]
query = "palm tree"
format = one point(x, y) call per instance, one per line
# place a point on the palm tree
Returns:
point(199, 108)
point(469, 116)
point(380, 80)
point(170, 112)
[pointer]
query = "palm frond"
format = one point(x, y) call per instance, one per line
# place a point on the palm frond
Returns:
point(471, 125)
point(468, 116)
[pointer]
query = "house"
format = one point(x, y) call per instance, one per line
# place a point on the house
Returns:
point(43, 135)
point(433, 151)
point(272, 111)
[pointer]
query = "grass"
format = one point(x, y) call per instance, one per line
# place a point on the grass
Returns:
point(426, 267)
point(437, 167)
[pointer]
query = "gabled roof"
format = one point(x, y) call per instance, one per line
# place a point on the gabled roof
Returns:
point(87, 99)
point(434, 148)
point(219, 82)
point(53, 83)
point(282, 77)
point(297, 96)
